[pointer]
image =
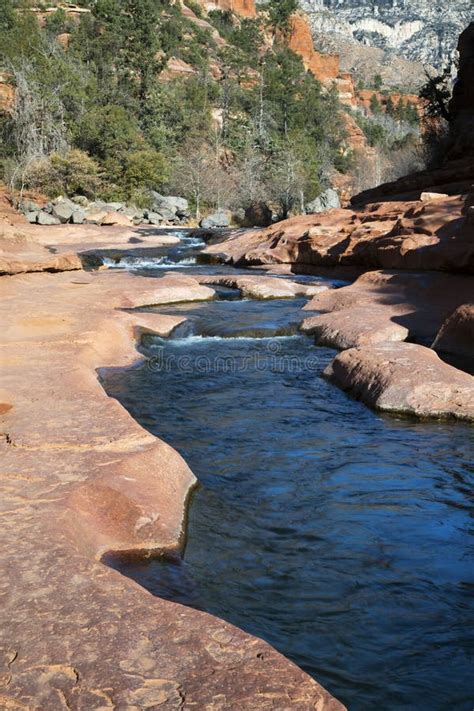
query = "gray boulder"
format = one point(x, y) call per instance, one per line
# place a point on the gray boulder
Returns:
point(27, 206)
point(80, 200)
point(78, 217)
point(166, 214)
point(154, 218)
point(63, 210)
point(217, 220)
point(44, 218)
point(326, 201)
point(32, 216)
point(114, 206)
point(171, 203)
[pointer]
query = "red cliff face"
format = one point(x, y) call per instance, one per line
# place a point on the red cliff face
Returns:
point(325, 67)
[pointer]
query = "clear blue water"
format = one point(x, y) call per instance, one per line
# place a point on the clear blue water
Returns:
point(341, 537)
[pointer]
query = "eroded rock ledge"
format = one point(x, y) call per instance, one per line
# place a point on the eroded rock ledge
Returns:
point(417, 284)
point(81, 478)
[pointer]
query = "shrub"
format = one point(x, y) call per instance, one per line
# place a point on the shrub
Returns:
point(145, 169)
point(73, 172)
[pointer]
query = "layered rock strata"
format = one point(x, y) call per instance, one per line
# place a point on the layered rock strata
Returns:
point(430, 234)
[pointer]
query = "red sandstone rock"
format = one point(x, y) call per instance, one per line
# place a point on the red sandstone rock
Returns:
point(325, 67)
point(263, 287)
point(353, 327)
point(404, 378)
point(245, 8)
point(387, 306)
point(80, 477)
point(394, 235)
point(20, 253)
point(176, 67)
point(456, 335)
point(116, 218)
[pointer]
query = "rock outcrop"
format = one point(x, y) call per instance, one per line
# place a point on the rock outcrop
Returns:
point(404, 378)
point(455, 339)
point(394, 235)
point(325, 67)
point(424, 31)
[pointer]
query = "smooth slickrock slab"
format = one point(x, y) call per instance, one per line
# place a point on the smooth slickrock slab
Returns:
point(404, 378)
point(19, 253)
point(388, 305)
point(265, 287)
point(81, 479)
point(353, 327)
point(170, 289)
point(435, 235)
point(33, 248)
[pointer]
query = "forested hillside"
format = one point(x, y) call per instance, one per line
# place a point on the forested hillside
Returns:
point(112, 98)
point(99, 109)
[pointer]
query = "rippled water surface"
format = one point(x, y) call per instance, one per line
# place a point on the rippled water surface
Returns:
point(339, 536)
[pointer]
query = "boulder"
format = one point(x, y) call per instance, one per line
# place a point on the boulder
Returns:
point(78, 217)
point(115, 206)
point(63, 210)
point(258, 215)
point(218, 220)
point(32, 216)
point(456, 336)
point(154, 218)
point(44, 218)
point(404, 378)
point(431, 197)
point(80, 200)
point(172, 203)
point(133, 212)
point(26, 206)
point(95, 218)
point(326, 201)
point(116, 218)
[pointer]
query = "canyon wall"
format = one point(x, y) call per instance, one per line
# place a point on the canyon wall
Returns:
point(418, 30)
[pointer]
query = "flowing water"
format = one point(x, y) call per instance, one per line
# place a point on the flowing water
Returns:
point(339, 536)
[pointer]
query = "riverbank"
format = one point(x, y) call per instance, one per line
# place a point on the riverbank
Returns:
point(81, 479)
point(407, 321)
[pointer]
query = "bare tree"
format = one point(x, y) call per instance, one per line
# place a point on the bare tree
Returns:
point(38, 122)
point(200, 174)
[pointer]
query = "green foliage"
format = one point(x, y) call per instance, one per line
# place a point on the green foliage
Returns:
point(377, 82)
point(279, 14)
point(195, 7)
point(58, 22)
point(74, 173)
point(375, 105)
point(145, 168)
point(104, 101)
point(223, 21)
point(436, 94)
point(390, 107)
